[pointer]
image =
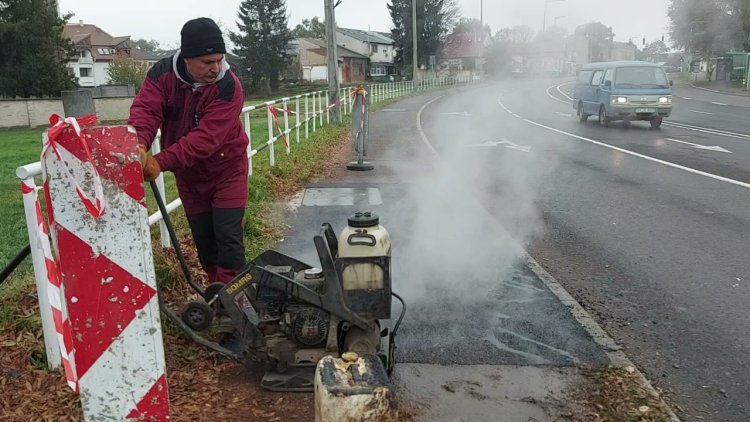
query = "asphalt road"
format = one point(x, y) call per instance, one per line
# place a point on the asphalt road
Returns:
point(648, 229)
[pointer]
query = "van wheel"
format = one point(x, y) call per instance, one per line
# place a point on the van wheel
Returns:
point(603, 118)
point(582, 117)
point(656, 122)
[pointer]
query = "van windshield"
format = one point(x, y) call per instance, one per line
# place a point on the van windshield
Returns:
point(641, 77)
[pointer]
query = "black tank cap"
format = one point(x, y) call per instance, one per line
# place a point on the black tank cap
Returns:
point(364, 219)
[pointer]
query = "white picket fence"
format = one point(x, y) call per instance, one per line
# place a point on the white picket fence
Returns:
point(310, 112)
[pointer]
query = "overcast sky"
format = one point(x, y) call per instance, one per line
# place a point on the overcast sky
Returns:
point(162, 19)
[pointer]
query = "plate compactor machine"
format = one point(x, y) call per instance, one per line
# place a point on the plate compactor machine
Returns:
point(288, 315)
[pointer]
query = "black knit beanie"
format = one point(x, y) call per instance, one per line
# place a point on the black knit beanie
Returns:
point(201, 37)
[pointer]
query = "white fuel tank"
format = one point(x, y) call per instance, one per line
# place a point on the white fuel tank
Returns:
point(363, 237)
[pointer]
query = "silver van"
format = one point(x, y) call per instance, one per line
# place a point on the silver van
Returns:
point(626, 91)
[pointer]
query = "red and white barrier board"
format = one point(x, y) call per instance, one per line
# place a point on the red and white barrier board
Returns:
point(102, 246)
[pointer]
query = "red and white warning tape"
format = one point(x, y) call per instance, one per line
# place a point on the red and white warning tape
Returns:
point(55, 293)
point(96, 206)
point(274, 114)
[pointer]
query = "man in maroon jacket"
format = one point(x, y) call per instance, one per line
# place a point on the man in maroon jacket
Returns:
point(196, 101)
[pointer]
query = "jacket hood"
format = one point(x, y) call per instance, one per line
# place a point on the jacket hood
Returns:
point(184, 77)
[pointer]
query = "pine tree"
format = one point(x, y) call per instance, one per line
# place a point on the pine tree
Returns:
point(435, 18)
point(33, 51)
point(314, 28)
point(261, 43)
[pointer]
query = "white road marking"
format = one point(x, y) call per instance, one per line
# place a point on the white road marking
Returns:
point(393, 110)
point(707, 130)
point(718, 104)
point(564, 94)
point(563, 114)
point(504, 143)
point(419, 126)
point(699, 146)
point(645, 157)
point(549, 94)
point(702, 112)
point(635, 154)
point(457, 113)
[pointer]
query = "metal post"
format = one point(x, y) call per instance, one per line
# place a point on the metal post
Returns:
point(271, 143)
point(314, 115)
point(249, 144)
point(296, 117)
point(359, 133)
point(30, 199)
point(321, 110)
point(414, 35)
point(163, 231)
point(328, 112)
point(333, 62)
point(287, 132)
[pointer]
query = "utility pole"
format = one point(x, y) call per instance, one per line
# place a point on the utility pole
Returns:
point(333, 61)
point(415, 34)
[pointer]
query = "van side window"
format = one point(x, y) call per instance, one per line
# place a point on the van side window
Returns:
point(584, 77)
point(608, 76)
point(597, 80)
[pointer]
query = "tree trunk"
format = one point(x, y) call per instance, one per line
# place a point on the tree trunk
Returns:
point(266, 86)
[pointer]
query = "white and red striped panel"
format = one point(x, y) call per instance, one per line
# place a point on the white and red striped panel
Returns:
point(106, 268)
point(54, 291)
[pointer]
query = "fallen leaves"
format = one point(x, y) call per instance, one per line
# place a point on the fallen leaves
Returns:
point(616, 394)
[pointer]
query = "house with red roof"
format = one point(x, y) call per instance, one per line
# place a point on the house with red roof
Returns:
point(464, 51)
point(96, 50)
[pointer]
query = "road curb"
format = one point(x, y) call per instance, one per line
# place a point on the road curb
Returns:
point(719, 92)
point(597, 333)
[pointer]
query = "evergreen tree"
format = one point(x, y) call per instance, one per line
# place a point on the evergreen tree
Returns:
point(33, 51)
point(149, 46)
point(435, 18)
point(261, 43)
point(314, 28)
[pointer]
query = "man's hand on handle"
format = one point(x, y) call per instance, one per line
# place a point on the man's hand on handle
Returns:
point(150, 166)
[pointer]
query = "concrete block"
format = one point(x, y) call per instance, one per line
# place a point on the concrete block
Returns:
point(352, 389)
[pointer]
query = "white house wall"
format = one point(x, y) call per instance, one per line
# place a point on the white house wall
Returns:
point(101, 70)
point(318, 73)
point(98, 75)
point(385, 52)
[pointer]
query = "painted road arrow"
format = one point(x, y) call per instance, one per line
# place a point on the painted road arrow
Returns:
point(699, 146)
point(504, 143)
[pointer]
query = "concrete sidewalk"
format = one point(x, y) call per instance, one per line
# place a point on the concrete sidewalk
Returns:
point(488, 335)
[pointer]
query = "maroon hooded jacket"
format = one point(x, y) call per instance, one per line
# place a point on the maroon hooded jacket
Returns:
point(202, 139)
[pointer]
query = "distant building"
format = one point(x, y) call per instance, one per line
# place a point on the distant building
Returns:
point(377, 46)
point(580, 51)
point(314, 63)
point(464, 51)
point(95, 51)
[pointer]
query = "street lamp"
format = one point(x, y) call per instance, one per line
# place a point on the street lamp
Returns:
point(546, 2)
